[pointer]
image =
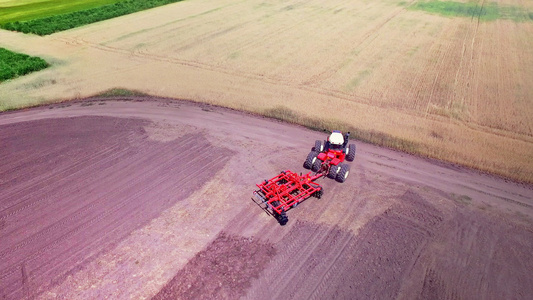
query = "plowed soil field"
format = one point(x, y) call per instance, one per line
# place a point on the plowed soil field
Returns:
point(139, 198)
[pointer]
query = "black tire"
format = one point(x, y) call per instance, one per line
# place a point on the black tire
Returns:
point(318, 146)
point(318, 194)
point(343, 173)
point(326, 146)
point(333, 172)
point(350, 152)
point(283, 219)
point(311, 157)
point(316, 165)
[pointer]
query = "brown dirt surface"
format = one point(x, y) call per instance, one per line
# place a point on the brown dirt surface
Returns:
point(138, 198)
point(225, 269)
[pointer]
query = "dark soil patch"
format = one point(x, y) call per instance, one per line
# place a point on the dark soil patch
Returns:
point(224, 270)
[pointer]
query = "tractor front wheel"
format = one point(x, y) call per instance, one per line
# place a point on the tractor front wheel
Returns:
point(310, 160)
point(318, 146)
point(350, 152)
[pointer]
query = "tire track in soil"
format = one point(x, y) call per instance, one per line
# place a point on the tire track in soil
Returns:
point(375, 254)
point(326, 262)
point(12, 184)
point(140, 176)
point(486, 250)
point(71, 189)
point(42, 186)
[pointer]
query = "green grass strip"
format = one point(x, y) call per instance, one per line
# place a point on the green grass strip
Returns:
point(71, 20)
point(14, 64)
point(24, 10)
point(487, 12)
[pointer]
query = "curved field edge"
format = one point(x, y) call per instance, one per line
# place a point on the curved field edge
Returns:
point(61, 22)
point(521, 172)
point(506, 168)
point(13, 64)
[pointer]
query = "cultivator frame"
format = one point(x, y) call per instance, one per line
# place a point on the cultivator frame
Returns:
point(285, 191)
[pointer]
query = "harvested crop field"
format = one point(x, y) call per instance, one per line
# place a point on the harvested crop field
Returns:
point(151, 198)
point(454, 87)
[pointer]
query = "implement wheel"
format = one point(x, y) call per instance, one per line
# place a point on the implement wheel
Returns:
point(311, 158)
point(343, 173)
point(281, 218)
point(318, 194)
point(350, 152)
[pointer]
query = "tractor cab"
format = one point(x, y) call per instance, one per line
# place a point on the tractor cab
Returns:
point(335, 141)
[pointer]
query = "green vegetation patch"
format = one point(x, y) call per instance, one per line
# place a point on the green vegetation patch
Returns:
point(487, 12)
point(24, 10)
point(120, 92)
point(49, 25)
point(461, 199)
point(354, 82)
point(14, 64)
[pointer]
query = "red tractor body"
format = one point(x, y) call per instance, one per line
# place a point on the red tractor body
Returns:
point(328, 158)
point(334, 157)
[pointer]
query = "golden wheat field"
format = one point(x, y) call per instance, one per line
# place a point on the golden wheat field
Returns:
point(456, 88)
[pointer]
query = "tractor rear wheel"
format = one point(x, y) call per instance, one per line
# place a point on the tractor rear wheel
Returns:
point(343, 173)
point(333, 171)
point(318, 146)
point(350, 152)
point(311, 158)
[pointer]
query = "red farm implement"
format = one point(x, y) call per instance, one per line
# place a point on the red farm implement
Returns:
point(285, 191)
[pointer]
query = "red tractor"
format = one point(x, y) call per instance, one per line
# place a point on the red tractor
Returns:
point(288, 189)
point(328, 157)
